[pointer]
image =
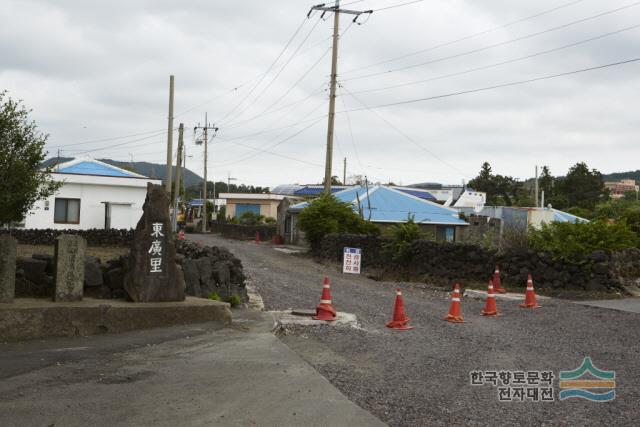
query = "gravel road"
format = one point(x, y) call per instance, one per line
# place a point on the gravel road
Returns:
point(422, 377)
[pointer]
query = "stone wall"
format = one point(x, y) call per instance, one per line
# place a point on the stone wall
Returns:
point(244, 232)
point(211, 269)
point(450, 262)
point(94, 237)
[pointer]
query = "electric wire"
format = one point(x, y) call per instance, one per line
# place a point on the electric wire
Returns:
point(487, 88)
point(497, 64)
point(469, 37)
point(484, 48)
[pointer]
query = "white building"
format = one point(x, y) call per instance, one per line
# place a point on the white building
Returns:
point(93, 194)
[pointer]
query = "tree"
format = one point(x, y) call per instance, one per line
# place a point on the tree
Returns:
point(22, 181)
point(545, 182)
point(582, 187)
point(500, 189)
point(326, 214)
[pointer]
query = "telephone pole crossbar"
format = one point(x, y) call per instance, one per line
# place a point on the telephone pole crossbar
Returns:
point(205, 141)
point(334, 74)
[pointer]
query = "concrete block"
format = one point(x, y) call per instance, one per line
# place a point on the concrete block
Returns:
point(8, 247)
point(69, 267)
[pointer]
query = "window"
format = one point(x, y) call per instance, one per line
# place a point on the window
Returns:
point(67, 211)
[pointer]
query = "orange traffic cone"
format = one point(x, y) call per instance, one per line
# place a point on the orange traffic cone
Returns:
point(530, 295)
point(497, 283)
point(490, 308)
point(454, 315)
point(400, 319)
point(324, 310)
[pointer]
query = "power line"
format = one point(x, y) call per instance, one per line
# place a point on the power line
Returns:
point(397, 5)
point(510, 61)
point(123, 144)
point(483, 89)
point(353, 140)
point(471, 36)
point(114, 138)
point(481, 49)
point(407, 137)
point(293, 55)
point(284, 49)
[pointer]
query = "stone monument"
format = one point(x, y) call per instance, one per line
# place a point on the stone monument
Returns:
point(7, 268)
point(69, 267)
point(152, 273)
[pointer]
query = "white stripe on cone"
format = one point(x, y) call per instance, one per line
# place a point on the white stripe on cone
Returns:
point(325, 301)
point(455, 299)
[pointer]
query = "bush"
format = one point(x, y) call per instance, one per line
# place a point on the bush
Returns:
point(270, 220)
point(400, 238)
point(214, 296)
point(250, 218)
point(568, 241)
point(326, 215)
point(234, 300)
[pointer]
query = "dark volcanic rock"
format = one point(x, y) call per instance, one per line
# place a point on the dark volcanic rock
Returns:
point(152, 273)
point(92, 272)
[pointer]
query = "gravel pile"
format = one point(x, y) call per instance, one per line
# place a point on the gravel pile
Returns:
point(422, 377)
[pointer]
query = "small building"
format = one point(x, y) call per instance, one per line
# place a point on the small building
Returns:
point(513, 217)
point(93, 194)
point(386, 206)
point(617, 189)
point(260, 204)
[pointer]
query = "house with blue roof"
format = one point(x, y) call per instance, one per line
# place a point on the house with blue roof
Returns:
point(387, 206)
point(93, 194)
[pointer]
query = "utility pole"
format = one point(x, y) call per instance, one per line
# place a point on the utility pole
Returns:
point(229, 179)
point(344, 172)
point(176, 186)
point(537, 188)
point(334, 74)
point(206, 129)
point(169, 170)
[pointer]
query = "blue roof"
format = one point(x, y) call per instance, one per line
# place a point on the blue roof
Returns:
point(561, 216)
point(384, 204)
point(417, 193)
point(315, 190)
point(90, 167)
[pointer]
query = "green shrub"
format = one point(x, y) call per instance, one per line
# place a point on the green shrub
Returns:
point(234, 300)
point(250, 218)
point(326, 215)
point(569, 241)
point(214, 296)
point(400, 238)
point(270, 220)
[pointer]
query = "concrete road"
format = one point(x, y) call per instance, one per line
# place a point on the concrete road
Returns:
point(632, 305)
point(182, 376)
point(422, 377)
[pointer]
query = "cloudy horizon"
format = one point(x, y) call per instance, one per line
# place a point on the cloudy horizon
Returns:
point(96, 77)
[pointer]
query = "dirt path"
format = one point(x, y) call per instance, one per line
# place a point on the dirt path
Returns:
point(422, 377)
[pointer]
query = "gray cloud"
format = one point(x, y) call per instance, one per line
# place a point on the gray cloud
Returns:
point(93, 70)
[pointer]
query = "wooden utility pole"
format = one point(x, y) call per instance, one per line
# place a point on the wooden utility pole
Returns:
point(334, 74)
point(205, 128)
point(344, 172)
point(169, 170)
point(176, 186)
point(536, 188)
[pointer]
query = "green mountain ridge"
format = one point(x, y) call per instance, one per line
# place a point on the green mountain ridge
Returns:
point(151, 170)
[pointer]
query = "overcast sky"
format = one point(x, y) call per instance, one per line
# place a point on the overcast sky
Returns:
point(95, 72)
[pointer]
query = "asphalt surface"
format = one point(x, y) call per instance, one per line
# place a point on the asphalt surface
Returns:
point(195, 375)
point(422, 377)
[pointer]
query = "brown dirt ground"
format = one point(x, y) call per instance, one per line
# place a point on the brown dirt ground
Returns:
point(105, 253)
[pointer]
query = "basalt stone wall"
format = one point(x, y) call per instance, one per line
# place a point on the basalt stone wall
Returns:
point(244, 232)
point(94, 237)
point(211, 269)
point(450, 262)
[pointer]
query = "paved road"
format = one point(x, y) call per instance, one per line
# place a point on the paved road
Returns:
point(197, 375)
point(421, 377)
point(632, 305)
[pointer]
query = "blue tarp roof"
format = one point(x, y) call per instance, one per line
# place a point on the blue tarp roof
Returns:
point(421, 194)
point(562, 216)
point(384, 204)
point(88, 167)
point(315, 190)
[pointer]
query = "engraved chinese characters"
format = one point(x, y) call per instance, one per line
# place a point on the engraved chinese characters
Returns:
point(152, 273)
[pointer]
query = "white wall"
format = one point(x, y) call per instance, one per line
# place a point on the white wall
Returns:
point(92, 210)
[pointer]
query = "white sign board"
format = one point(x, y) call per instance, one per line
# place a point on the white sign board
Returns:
point(352, 260)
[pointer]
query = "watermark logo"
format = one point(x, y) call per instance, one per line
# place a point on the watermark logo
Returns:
point(573, 383)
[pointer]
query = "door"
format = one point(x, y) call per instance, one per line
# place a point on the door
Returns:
point(247, 207)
